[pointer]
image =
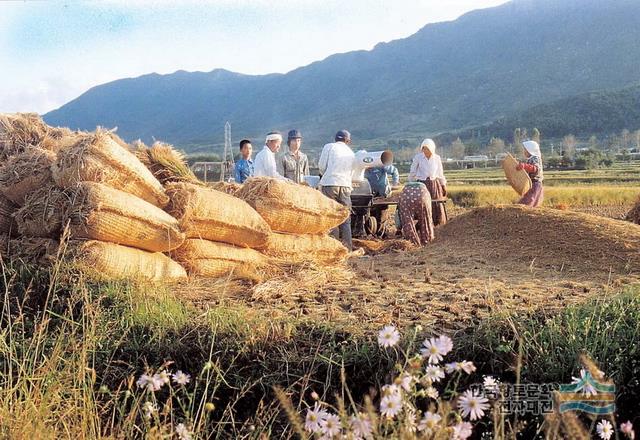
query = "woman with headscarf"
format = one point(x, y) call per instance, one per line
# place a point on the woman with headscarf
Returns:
point(427, 168)
point(414, 208)
point(533, 166)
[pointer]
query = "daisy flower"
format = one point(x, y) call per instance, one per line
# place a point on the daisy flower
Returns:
point(445, 344)
point(429, 422)
point(432, 393)
point(361, 426)
point(164, 376)
point(491, 385)
point(605, 429)
point(434, 373)
point(149, 409)
point(462, 431)
point(388, 336)
point(473, 405)
point(390, 406)
point(627, 429)
point(431, 350)
point(330, 425)
point(391, 390)
point(587, 388)
point(181, 378)
point(151, 383)
point(183, 432)
point(314, 416)
point(410, 420)
point(406, 381)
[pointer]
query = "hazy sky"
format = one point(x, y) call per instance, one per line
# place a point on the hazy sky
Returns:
point(52, 51)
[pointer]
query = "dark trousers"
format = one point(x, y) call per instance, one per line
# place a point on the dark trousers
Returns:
point(342, 195)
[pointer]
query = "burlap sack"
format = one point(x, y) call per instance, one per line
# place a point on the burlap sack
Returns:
point(292, 208)
point(108, 261)
point(26, 172)
point(96, 211)
point(299, 248)
point(211, 259)
point(213, 215)
point(104, 158)
point(42, 213)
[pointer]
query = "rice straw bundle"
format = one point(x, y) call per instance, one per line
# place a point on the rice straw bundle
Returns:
point(25, 172)
point(230, 188)
point(108, 261)
point(518, 179)
point(211, 259)
point(4, 246)
point(19, 131)
point(41, 215)
point(102, 158)
point(213, 215)
point(33, 250)
point(96, 211)
point(292, 208)
point(7, 209)
point(298, 248)
point(165, 163)
point(634, 214)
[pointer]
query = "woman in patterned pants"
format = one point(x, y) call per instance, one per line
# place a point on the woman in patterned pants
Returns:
point(415, 214)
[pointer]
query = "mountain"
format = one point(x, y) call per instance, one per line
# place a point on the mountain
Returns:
point(486, 65)
point(593, 113)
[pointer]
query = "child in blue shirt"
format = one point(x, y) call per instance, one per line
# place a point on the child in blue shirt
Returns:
point(244, 167)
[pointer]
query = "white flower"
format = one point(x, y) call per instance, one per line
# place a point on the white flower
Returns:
point(462, 431)
point(429, 422)
point(149, 409)
point(473, 405)
point(627, 429)
point(151, 383)
point(391, 390)
point(181, 378)
point(432, 393)
point(468, 367)
point(605, 430)
point(491, 385)
point(465, 366)
point(410, 420)
point(314, 416)
point(330, 425)
point(390, 406)
point(445, 344)
point(406, 381)
point(587, 388)
point(361, 426)
point(388, 336)
point(183, 432)
point(164, 376)
point(434, 373)
point(431, 350)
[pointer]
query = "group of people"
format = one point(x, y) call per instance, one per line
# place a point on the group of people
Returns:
point(421, 202)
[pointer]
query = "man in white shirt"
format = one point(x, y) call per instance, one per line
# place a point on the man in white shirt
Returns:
point(264, 164)
point(336, 168)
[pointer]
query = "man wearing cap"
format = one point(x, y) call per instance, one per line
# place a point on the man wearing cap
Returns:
point(265, 163)
point(336, 168)
point(294, 164)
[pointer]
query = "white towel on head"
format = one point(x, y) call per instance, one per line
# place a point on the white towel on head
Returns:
point(533, 148)
point(274, 137)
point(429, 145)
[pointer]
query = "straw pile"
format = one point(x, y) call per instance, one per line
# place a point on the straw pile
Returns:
point(25, 172)
point(98, 212)
point(292, 208)
point(41, 215)
point(23, 130)
point(31, 250)
point(226, 187)
point(634, 215)
point(518, 179)
point(7, 208)
point(213, 215)
point(104, 158)
point(301, 248)
point(165, 163)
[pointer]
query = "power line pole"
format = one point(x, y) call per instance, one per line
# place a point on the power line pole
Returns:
point(227, 158)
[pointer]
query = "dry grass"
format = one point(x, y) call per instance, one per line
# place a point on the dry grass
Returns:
point(165, 162)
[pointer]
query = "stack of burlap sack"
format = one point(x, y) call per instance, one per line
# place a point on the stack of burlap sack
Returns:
point(122, 222)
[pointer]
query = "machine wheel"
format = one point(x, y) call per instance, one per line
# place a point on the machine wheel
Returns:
point(371, 225)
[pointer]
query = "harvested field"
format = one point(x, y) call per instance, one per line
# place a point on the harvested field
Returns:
point(485, 260)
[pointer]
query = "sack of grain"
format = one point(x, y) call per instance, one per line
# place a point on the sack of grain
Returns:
point(25, 172)
point(298, 248)
point(108, 261)
point(213, 215)
point(41, 215)
point(211, 259)
point(7, 209)
point(99, 212)
point(104, 158)
point(292, 208)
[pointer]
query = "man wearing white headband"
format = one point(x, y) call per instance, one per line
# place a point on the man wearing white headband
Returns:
point(265, 162)
point(533, 166)
point(427, 168)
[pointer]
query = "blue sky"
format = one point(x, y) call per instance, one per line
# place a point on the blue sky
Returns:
point(52, 51)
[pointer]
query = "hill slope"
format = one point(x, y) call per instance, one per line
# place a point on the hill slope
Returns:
point(483, 66)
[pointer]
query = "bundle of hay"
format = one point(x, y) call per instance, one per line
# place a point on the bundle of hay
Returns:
point(165, 163)
point(41, 215)
point(213, 215)
point(7, 209)
point(102, 157)
point(230, 188)
point(291, 208)
point(210, 259)
point(108, 261)
point(25, 172)
point(634, 215)
point(22, 130)
point(96, 211)
point(300, 248)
